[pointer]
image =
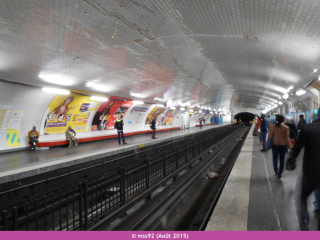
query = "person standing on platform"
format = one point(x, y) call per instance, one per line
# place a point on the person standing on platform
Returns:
point(301, 122)
point(33, 138)
point(200, 121)
point(281, 140)
point(204, 121)
point(258, 123)
point(153, 127)
point(119, 126)
point(309, 138)
point(264, 132)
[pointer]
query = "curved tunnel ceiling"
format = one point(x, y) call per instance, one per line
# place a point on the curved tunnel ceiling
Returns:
point(215, 53)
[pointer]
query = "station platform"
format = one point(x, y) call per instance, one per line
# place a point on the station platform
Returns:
point(254, 199)
point(23, 164)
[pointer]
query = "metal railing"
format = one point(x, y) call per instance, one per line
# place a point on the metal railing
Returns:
point(78, 205)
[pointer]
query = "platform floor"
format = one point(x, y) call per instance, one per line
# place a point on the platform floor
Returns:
point(20, 161)
point(254, 199)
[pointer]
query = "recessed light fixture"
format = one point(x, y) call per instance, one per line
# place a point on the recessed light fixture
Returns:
point(101, 99)
point(137, 102)
point(300, 92)
point(56, 79)
point(56, 91)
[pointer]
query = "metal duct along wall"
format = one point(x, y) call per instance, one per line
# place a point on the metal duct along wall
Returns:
point(82, 202)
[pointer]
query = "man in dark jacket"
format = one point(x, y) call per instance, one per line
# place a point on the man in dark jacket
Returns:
point(119, 126)
point(264, 132)
point(309, 138)
point(153, 127)
point(301, 122)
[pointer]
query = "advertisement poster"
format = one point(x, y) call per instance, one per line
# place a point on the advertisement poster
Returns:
point(167, 117)
point(107, 114)
point(13, 129)
point(156, 112)
point(3, 112)
point(72, 110)
point(138, 109)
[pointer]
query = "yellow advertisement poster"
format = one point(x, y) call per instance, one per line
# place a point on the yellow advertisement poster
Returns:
point(72, 110)
point(13, 128)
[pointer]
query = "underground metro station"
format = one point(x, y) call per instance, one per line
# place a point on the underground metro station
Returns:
point(149, 115)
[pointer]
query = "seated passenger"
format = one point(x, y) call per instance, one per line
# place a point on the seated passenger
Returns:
point(71, 137)
point(33, 138)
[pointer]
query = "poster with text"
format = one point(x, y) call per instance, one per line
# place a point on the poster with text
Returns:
point(13, 129)
point(107, 114)
point(72, 110)
point(158, 113)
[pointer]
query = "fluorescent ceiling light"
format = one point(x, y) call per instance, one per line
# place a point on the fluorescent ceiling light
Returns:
point(172, 108)
point(202, 107)
point(56, 91)
point(56, 79)
point(300, 92)
point(182, 109)
point(219, 109)
point(200, 111)
point(285, 96)
point(211, 112)
point(160, 105)
point(209, 108)
point(280, 103)
point(159, 99)
point(136, 95)
point(291, 87)
point(97, 87)
point(190, 110)
point(101, 99)
point(188, 104)
point(275, 106)
point(315, 70)
point(137, 102)
point(198, 106)
point(169, 100)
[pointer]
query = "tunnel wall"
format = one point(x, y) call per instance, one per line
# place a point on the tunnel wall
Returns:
point(33, 102)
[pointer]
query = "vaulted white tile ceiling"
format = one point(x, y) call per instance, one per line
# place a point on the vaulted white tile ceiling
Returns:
point(208, 52)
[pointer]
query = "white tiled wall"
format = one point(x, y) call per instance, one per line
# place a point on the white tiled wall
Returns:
point(33, 101)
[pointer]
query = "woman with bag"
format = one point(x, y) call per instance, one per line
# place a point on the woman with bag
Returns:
point(280, 137)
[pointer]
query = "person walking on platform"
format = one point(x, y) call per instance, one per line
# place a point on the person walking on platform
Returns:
point(309, 138)
point(200, 121)
point(153, 127)
point(119, 126)
point(292, 129)
point(33, 138)
point(258, 123)
point(264, 132)
point(301, 122)
point(281, 140)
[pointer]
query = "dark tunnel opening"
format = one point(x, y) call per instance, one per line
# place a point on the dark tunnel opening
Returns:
point(244, 116)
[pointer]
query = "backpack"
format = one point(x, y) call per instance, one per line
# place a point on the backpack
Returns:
point(115, 125)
